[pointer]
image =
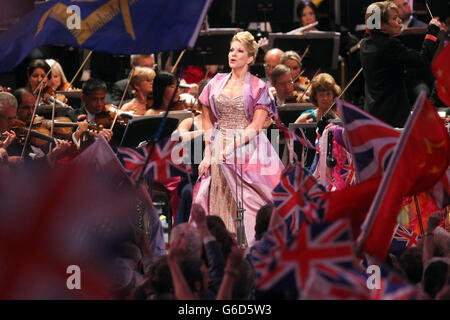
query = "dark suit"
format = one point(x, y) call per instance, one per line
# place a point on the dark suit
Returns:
point(384, 60)
point(416, 23)
point(113, 97)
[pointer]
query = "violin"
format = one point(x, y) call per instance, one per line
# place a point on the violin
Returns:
point(67, 87)
point(107, 116)
point(63, 127)
point(39, 136)
point(300, 87)
point(50, 96)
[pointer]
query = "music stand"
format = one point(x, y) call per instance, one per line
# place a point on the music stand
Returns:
point(289, 112)
point(144, 128)
point(280, 13)
point(323, 52)
point(212, 47)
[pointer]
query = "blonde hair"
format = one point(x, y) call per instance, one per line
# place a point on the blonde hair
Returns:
point(383, 7)
point(57, 69)
point(291, 55)
point(323, 82)
point(248, 41)
point(142, 74)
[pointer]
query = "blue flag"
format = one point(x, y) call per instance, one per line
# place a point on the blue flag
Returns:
point(113, 26)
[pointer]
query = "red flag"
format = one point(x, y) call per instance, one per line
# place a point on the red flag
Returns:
point(352, 202)
point(419, 161)
point(441, 70)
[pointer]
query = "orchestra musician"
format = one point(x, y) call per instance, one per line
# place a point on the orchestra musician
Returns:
point(36, 71)
point(323, 92)
point(405, 13)
point(93, 98)
point(384, 60)
point(271, 60)
point(283, 84)
point(190, 132)
point(26, 102)
point(142, 82)
point(58, 80)
point(307, 12)
point(164, 85)
point(8, 114)
point(294, 62)
point(136, 60)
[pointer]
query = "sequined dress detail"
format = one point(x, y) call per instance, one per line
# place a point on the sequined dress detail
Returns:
point(231, 116)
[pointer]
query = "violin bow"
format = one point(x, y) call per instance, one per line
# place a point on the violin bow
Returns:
point(79, 69)
point(52, 123)
point(298, 76)
point(39, 87)
point(309, 85)
point(301, 59)
point(343, 91)
point(178, 61)
point(123, 97)
point(31, 123)
point(305, 52)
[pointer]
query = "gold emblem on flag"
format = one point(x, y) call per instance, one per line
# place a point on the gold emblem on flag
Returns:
point(96, 20)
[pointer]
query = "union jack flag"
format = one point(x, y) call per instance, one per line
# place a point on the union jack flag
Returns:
point(298, 198)
point(403, 239)
point(160, 167)
point(348, 171)
point(316, 247)
point(343, 285)
point(394, 287)
point(350, 284)
point(266, 252)
point(371, 141)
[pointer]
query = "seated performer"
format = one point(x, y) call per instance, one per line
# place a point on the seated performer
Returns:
point(93, 98)
point(323, 92)
point(8, 114)
point(36, 72)
point(142, 82)
point(283, 84)
point(164, 86)
point(58, 80)
point(271, 60)
point(136, 60)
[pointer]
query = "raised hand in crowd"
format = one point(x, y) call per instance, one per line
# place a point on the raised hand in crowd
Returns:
point(428, 244)
point(176, 253)
point(234, 261)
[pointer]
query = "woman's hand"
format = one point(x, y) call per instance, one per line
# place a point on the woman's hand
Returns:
point(439, 24)
point(204, 166)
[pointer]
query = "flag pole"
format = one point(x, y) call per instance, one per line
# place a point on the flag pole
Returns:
point(419, 217)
